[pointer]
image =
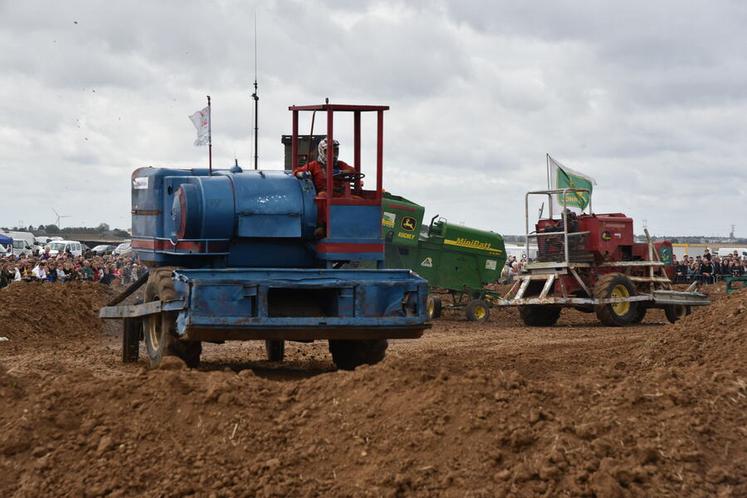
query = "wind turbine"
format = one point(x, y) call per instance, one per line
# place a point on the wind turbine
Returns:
point(59, 217)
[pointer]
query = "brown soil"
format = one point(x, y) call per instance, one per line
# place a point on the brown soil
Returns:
point(492, 409)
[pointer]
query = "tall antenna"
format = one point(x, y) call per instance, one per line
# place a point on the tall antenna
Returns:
point(255, 95)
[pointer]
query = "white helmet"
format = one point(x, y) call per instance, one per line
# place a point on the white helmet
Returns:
point(322, 157)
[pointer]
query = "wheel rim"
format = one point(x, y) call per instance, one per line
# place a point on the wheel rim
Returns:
point(480, 312)
point(430, 307)
point(154, 331)
point(620, 291)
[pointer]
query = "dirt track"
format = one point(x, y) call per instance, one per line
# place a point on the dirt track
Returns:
point(470, 410)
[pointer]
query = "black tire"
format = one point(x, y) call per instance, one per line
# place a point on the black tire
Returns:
point(477, 310)
point(584, 308)
point(433, 307)
point(674, 312)
point(640, 314)
point(615, 315)
point(275, 350)
point(160, 330)
point(132, 331)
point(539, 315)
point(350, 354)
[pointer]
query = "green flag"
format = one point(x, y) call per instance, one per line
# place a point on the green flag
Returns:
point(563, 177)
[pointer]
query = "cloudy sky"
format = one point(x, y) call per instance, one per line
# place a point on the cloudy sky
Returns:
point(649, 98)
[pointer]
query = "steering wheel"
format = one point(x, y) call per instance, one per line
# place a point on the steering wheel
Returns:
point(349, 176)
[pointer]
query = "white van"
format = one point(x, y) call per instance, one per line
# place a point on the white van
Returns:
point(729, 251)
point(61, 246)
point(24, 243)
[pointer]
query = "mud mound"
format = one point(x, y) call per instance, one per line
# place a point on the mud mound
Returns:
point(396, 429)
point(31, 309)
point(713, 336)
point(501, 411)
point(10, 387)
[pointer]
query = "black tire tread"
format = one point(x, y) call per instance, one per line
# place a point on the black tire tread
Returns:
point(161, 285)
point(437, 307)
point(275, 350)
point(347, 355)
point(539, 315)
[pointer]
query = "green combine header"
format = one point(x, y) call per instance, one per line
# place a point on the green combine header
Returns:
point(455, 259)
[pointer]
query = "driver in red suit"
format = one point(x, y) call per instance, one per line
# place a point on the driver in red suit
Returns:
point(318, 170)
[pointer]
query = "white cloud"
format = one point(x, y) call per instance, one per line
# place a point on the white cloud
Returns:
point(649, 98)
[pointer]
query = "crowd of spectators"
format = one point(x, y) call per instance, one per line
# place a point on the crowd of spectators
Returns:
point(709, 268)
point(64, 267)
point(512, 268)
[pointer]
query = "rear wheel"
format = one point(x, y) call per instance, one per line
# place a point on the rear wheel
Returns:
point(477, 311)
point(433, 307)
point(350, 354)
point(615, 285)
point(275, 350)
point(674, 312)
point(160, 330)
point(539, 315)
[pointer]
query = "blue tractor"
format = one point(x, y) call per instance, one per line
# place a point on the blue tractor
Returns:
point(258, 255)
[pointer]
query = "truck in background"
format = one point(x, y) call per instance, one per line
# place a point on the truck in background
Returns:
point(24, 243)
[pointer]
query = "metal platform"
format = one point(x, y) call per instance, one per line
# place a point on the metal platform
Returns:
point(292, 304)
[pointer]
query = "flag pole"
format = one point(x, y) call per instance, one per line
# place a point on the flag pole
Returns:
point(210, 139)
point(547, 161)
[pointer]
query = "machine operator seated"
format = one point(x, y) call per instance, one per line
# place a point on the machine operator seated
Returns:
point(343, 174)
point(558, 226)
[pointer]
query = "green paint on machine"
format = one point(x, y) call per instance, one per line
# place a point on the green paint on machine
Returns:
point(449, 256)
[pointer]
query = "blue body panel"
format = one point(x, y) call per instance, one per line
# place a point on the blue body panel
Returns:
point(244, 300)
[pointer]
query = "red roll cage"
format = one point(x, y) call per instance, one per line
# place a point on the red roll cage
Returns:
point(373, 197)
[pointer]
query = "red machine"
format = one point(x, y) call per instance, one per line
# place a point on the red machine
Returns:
point(592, 262)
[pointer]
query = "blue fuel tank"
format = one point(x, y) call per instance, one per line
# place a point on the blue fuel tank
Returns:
point(232, 218)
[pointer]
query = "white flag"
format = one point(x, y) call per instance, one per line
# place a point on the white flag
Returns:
point(201, 120)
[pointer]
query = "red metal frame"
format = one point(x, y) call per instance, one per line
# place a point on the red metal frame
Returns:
point(330, 109)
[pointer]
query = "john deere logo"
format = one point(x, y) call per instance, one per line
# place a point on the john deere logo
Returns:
point(409, 223)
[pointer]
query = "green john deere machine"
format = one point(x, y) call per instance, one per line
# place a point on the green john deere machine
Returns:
point(455, 259)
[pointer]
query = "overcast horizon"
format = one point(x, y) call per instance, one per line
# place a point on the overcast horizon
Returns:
point(649, 98)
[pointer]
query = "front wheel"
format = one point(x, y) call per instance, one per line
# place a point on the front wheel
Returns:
point(616, 286)
point(159, 330)
point(477, 311)
point(350, 354)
